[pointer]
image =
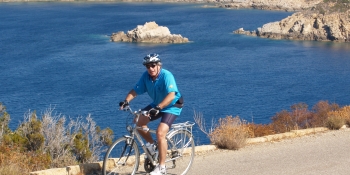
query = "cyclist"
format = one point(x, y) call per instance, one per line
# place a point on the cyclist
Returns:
point(167, 104)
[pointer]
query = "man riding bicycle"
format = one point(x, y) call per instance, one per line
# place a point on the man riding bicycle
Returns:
point(167, 104)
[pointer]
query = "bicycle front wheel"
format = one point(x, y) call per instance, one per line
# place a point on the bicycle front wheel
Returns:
point(122, 157)
point(180, 153)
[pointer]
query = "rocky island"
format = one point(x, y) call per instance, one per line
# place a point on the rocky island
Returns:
point(326, 21)
point(148, 33)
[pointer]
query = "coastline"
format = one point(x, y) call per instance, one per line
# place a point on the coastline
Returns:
point(261, 155)
point(310, 22)
point(107, 1)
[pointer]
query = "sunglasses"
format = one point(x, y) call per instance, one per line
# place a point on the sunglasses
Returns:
point(151, 66)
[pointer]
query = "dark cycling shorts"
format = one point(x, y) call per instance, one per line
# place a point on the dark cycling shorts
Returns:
point(167, 118)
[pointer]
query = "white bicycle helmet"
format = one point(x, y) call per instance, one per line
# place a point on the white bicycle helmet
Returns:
point(151, 58)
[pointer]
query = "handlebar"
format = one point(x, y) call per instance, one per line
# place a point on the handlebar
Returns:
point(128, 108)
point(135, 113)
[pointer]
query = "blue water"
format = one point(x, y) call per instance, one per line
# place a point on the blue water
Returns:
point(59, 55)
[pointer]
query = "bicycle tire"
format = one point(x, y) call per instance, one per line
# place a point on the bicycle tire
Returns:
point(181, 152)
point(122, 157)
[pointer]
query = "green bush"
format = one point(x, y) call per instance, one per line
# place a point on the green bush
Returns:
point(81, 147)
point(335, 122)
point(32, 131)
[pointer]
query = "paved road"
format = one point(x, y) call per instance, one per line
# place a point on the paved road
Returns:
point(318, 154)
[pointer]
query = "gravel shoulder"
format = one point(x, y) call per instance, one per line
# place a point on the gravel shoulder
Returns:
point(317, 154)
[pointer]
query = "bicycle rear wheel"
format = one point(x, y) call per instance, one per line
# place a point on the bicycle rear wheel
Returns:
point(122, 157)
point(180, 153)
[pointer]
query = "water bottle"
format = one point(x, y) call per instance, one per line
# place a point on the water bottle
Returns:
point(150, 148)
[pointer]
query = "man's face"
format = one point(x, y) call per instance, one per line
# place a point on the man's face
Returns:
point(153, 69)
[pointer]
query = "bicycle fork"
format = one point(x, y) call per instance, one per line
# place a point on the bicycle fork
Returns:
point(128, 144)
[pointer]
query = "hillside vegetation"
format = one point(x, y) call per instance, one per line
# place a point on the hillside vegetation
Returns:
point(232, 132)
point(49, 141)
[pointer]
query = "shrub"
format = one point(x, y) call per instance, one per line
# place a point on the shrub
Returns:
point(301, 115)
point(4, 121)
point(15, 161)
point(346, 111)
point(31, 130)
point(106, 135)
point(81, 147)
point(336, 119)
point(320, 113)
point(334, 122)
point(49, 143)
point(259, 130)
point(283, 122)
point(88, 140)
point(298, 118)
point(231, 133)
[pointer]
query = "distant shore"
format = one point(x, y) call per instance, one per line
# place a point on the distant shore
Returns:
point(313, 20)
point(170, 1)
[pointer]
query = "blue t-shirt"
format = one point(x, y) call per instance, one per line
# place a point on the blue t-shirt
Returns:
point(159, 89)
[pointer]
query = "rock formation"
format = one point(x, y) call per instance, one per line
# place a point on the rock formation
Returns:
point(286, 5)
point(149, 33)
point(324, 22)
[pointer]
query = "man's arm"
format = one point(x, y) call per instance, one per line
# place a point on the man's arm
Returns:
point(131, 95)
point(167, 100)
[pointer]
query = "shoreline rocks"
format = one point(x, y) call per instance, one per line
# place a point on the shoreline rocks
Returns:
point(148, 33)
point(306, 26)
point(285, 5)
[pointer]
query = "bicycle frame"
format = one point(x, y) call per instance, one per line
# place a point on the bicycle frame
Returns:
point(179, 139)
point(133, 130)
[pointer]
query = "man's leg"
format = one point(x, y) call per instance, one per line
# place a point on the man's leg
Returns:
point(162, 143)
point(163, 128)
point(143, 121)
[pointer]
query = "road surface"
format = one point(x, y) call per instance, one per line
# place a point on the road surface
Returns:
point(326, 153)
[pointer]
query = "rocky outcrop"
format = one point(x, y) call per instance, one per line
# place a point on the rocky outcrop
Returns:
point(148, 33)
point(306, 26)
point(286, 5)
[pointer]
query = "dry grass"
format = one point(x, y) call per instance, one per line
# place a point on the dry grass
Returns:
point(301, 118)
point(47, 142)
point(14, 161)
point(336, 119)
point(231, 133)
point(12, 169)
point(259, 130)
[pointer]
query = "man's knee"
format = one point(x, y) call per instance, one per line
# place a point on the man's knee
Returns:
point(162, 130)
point(161, 134)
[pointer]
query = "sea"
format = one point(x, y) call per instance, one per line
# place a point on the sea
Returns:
point(58, 56)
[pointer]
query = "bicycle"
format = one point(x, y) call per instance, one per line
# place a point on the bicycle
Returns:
point(123, 156)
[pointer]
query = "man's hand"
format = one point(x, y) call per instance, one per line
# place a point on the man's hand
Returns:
point(154, 111)
point(124, 103)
